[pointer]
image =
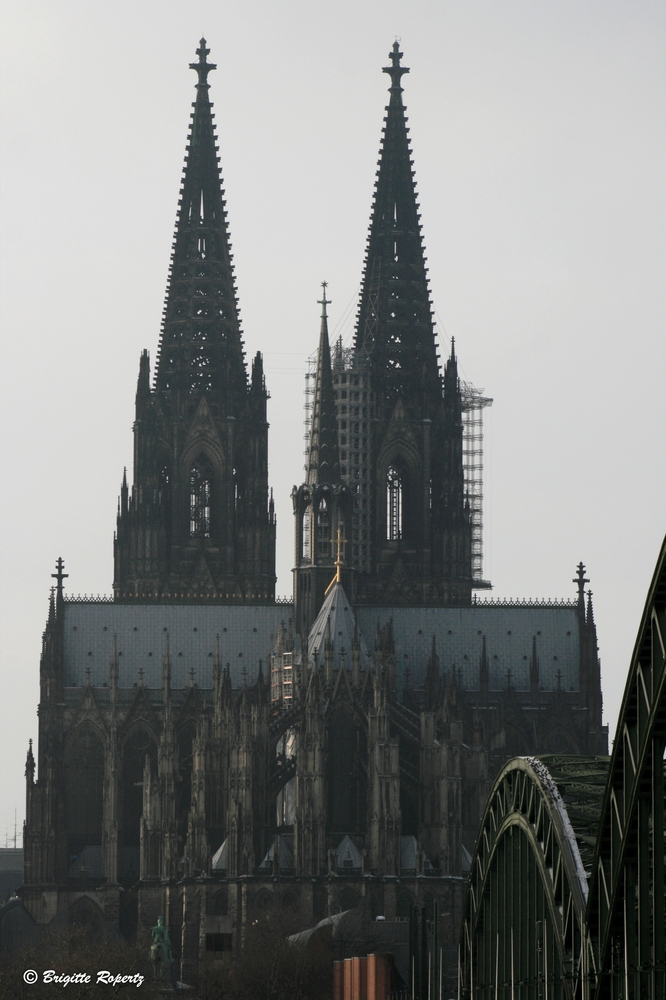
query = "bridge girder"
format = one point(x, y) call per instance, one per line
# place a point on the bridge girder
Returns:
point(523, 930)
point(626, 940)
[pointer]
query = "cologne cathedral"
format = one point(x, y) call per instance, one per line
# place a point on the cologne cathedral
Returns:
point(210, 754)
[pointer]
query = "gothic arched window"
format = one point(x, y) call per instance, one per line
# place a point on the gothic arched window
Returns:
point(394, 504)
point(84, 789)
point(323, 531)
point(201, 493)
point(305, 547)
point(137, 747)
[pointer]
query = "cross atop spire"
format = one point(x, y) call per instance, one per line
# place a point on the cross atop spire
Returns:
point(339, 562)
point(323, 301)
point(395, 70)
point(59, 576)
point(203, 67)
point(340, 541)
point(580, 580)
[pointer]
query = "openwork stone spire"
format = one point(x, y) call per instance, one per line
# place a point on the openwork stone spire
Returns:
point(395, 328)
point(323, 461)
point(201, 347)
point(197, 523)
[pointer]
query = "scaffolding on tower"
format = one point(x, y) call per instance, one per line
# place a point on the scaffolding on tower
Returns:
point(473, 404)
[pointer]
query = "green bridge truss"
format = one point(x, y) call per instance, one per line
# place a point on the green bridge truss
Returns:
point(566, 895)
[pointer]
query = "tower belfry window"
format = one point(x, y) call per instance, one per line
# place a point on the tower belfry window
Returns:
point(394, 502)
point(323, 531)
point(305, 550)
point(201, 491)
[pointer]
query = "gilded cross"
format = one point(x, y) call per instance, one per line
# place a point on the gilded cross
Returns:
point(338, 561)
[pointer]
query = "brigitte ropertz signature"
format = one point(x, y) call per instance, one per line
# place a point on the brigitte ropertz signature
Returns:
point(104, 977)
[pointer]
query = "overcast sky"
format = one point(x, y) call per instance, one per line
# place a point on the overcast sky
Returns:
point(539, 139)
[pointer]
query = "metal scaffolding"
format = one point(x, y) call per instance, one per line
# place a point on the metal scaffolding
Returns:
point(353, 408)
point(473, 405)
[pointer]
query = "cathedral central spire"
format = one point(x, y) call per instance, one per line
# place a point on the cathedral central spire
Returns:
point(323, 460)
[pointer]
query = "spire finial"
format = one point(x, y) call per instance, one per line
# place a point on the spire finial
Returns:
point(323, 301)
point(203, 67)
point(395, 70)
point(340, 541)
point(580, 580)
point(59, 575)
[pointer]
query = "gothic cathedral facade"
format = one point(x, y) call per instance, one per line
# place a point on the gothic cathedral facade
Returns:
point(206, 752)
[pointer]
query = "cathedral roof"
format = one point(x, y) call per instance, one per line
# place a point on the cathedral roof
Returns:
point(336, 622)
point(247, 635)
point(509, 631)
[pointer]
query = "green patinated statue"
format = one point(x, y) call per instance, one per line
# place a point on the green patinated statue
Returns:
point(160, 949)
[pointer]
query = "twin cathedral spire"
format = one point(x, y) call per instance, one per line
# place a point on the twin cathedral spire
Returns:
point(384, 465)
point(197, 522)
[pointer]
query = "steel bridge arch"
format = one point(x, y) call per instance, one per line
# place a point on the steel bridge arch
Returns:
point(523, 932)
point(626, 941)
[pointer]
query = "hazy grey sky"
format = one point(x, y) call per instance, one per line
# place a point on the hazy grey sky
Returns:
point(539, 141)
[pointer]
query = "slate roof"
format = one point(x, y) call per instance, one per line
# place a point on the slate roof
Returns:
point(219, 862)
point(459, 636)
point(247, 635)
point(348, 851)
point(285, 852)
point(338, 608)
point(11, 859)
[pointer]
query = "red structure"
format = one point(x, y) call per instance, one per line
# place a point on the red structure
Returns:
point(370, 978)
